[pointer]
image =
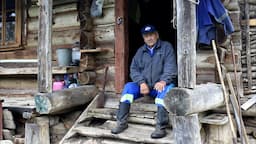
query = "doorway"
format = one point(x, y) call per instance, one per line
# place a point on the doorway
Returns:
point(154, 12)
point(131, 16)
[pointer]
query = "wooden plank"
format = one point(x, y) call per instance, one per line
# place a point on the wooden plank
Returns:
point(135, 133)
point(31, 133)
point(34, 70)
point(45, 47)
point(252, 22)
point(249, 103)
point(237, 112)
point(37, 133)
point(121, 44)
point(114, 102)
point(142, 117)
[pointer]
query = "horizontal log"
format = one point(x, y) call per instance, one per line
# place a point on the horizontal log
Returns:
point(34, 10)
point(58, 37)
point(182, 101)
point(64, 100)
point(205, 59)
point(104, 33)
point(59, 21)
point(107, 18)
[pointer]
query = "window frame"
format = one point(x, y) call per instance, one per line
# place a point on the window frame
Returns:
point(16, 44)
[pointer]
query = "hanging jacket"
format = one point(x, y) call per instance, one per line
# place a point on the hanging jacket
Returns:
point(209, 12)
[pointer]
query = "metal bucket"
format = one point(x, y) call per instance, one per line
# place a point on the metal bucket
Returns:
point(64, 56)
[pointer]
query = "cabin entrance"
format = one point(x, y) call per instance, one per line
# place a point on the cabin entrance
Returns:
point(154, 12)
point(131, 16)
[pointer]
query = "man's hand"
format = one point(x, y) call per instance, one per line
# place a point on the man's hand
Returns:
point(159, 86)
point(144, 89)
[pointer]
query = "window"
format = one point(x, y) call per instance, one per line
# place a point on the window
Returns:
point(10, 24)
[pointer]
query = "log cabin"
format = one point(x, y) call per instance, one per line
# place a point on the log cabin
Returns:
point(108, 33)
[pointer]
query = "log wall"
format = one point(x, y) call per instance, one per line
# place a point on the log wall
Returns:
point(252, 45)
point(206, 67)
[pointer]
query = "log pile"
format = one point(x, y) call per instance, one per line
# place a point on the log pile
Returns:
point(249, 41)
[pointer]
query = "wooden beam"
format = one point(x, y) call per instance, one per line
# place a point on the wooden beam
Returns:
point(186, 129)
point(182, 101)
point(45, 47)
point(121, 44)
point(186, 43)
point(249, 103)
point(38, 132)
point(64, 100)
point(34, 71)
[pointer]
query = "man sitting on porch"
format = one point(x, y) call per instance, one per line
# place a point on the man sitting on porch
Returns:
point(153, 71)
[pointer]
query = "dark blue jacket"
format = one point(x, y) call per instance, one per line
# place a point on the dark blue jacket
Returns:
point(209, 12)
point(151, 69)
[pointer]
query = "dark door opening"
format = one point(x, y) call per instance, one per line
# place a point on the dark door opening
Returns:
point(155, 12)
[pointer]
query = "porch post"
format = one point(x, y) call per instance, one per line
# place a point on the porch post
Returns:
point(44, 51)
point(186, 128)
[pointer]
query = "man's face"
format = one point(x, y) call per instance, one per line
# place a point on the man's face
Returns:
point(150, 38)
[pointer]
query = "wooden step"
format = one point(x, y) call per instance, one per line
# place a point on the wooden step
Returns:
point(136, 106)
point(140, 117)
point(134, 133)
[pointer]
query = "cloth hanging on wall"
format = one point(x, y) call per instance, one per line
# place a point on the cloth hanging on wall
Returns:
point(208, 13)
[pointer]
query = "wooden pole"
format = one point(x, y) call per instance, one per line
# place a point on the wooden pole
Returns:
point(186, 128)
point(224, 90)
point(121, 44)
point(186, 43)
point(237, 112)
point(183, 101)
point(44, 52)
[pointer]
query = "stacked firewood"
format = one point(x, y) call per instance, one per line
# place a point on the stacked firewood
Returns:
point(248, 47)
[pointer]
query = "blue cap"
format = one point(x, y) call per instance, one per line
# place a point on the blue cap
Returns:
point(148, 29)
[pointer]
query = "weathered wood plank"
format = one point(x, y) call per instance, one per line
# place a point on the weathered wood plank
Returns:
point(135, 133)
point(34, 70)
point(37, 133)
point(45, 47)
